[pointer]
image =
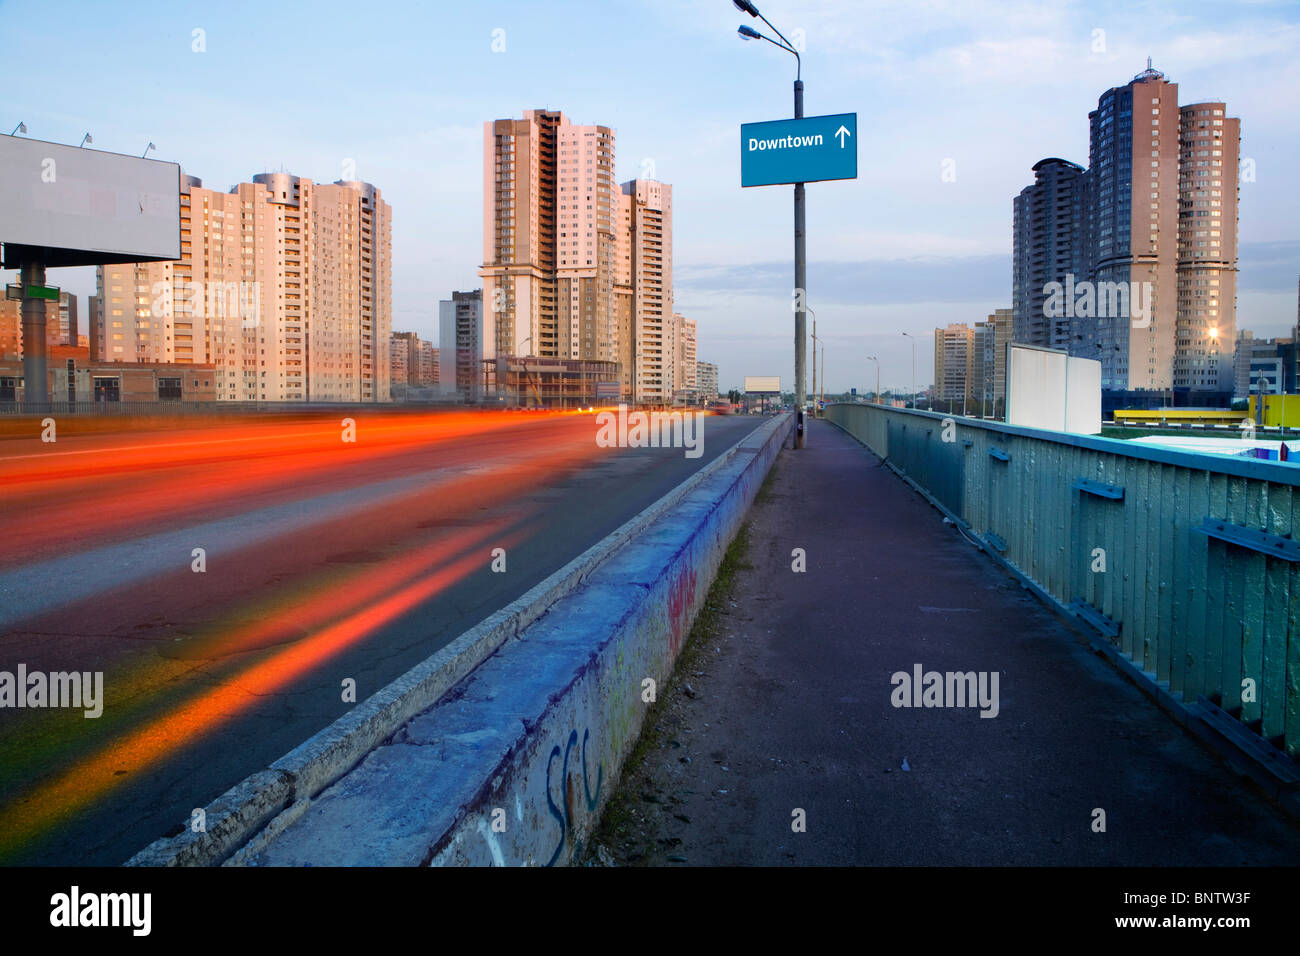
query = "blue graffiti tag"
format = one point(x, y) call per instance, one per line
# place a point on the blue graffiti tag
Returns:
point(566, 819)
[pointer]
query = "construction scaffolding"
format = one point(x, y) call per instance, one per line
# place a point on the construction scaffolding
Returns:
point(536, 382)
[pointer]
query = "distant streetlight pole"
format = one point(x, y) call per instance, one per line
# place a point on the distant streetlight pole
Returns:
point(822, 395)
point(872, 358)
point(814, 361)
point(913, 338)
point(800, 250)
point(520, 391)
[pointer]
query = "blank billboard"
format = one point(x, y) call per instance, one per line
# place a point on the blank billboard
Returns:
point(762, 383)
point(1047, 388)
point(85, 206)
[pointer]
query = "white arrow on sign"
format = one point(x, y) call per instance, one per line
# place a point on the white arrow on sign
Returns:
point(841, 133)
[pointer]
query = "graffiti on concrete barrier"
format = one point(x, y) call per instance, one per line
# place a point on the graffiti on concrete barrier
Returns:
point(591, 797)
point(680, 597)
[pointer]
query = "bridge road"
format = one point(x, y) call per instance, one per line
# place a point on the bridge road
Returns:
point(324, 561)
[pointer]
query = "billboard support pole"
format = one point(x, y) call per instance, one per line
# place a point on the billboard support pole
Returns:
point(36, 394)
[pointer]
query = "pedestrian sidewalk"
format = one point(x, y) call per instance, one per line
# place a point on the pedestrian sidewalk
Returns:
point(789, 707)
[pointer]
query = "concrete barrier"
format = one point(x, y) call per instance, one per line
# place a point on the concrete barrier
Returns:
point(501, 747)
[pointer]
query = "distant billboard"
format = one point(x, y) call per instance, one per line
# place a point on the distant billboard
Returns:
point(608, 391)
point(1047, 388)
point(763, 384)
point(74, 206)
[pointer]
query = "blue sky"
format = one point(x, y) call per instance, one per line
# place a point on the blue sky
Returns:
point(402, 91)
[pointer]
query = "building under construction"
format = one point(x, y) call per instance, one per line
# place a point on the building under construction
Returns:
point(536, 382)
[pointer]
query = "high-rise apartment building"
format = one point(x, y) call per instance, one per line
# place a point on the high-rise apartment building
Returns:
point(684, 359)
point(401, 345)
point(706, 380)
point(283, 285)
point(66, 326)
point(351, 293)
point(989, 362)
point(1154, 253)
point(547, 271)
point(1133, 166)
point(954, 361)
point(1209, 164)
point(428, 367)
point(574, 266)
point(644, 245)
point(466, 336)
point(413, 363)
point(1049, 245)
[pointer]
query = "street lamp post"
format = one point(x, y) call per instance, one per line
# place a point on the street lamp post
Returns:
point(913, 338)
point(821, 397)
point(800, 250)
point(872, 358)
point(813, 313)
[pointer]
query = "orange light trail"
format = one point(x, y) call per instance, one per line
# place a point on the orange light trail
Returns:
point(90, 779)
point(67, 496)
point(78, 498)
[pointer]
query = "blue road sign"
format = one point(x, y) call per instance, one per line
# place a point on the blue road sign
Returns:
point(804, 150)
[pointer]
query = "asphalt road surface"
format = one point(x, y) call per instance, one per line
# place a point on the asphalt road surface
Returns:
point(231, 578)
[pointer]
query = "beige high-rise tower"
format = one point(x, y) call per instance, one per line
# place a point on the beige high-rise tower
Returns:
point(575, 267)
point(1209, 164)
point(644, 251)
point(1163, 194)
point(684, 354)
point(548, 245)
point(283, 285)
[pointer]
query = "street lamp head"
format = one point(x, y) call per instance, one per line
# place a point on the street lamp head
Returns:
point(744, 6)
point(748, 33)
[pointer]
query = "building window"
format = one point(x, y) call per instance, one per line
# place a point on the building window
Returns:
point(108, 389)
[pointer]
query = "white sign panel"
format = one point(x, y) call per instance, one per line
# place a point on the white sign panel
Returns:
point(88, 201)
point(1047, 388)
point(763, 383)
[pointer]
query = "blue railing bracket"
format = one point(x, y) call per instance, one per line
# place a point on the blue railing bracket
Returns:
point(1094, 617)
point(1274, 545)
point(1099, 488)
point(998, 453)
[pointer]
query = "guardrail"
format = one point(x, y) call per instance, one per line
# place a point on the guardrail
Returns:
point(1183, 564)
point(90, 407)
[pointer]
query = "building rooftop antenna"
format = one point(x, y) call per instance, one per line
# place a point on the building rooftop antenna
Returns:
point(1150, 73)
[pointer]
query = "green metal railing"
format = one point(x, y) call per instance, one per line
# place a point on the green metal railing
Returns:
point(1184, 561)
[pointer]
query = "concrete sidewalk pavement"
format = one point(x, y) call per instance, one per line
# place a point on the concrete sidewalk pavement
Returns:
point(789, 707)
